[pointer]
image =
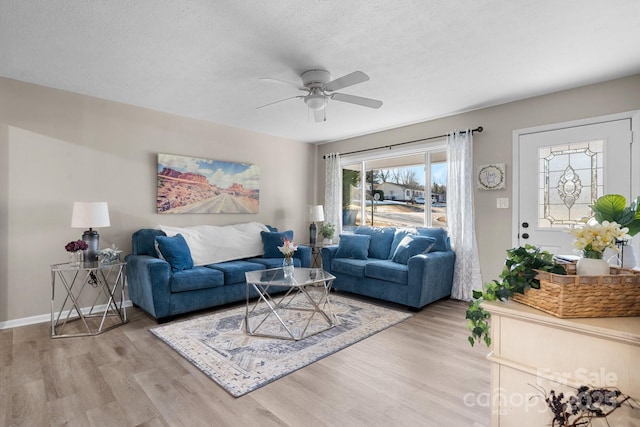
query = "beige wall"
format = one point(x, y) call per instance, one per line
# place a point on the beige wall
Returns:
point(494, 145)
point(57, 147)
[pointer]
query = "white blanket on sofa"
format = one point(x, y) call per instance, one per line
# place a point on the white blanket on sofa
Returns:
point(210, 244)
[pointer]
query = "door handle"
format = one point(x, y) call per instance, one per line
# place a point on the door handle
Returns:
point(525, 235)
point(525, 225)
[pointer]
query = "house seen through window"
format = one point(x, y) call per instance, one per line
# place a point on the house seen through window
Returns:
point(392, 192)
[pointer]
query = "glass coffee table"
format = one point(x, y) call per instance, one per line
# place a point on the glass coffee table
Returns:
point(290, 308)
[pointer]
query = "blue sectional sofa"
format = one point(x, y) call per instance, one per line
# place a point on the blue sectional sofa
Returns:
point(409, 267)
point(166, 287)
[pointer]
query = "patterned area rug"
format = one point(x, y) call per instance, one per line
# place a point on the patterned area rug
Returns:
point(218, 345)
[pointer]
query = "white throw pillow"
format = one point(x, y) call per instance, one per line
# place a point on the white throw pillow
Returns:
point(210, 244)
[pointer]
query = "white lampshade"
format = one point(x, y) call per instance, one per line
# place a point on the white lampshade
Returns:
point(316, 213)
point(90, 215)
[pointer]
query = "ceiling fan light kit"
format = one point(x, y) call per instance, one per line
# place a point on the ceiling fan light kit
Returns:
point(316, 100)
point(318, 84)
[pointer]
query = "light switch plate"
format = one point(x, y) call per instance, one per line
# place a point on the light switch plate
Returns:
point(503, 202)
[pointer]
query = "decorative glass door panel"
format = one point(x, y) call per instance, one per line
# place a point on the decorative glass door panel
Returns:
point(571, 179)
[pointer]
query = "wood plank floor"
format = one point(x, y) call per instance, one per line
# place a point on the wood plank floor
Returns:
point(417, 373)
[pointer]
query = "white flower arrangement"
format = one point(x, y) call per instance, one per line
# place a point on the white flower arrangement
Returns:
point(593, 239)
point(288, 248)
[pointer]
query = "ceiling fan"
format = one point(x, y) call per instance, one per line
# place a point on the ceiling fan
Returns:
point(320, 89)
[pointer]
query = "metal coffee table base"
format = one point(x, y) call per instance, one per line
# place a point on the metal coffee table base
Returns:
point(291, 310)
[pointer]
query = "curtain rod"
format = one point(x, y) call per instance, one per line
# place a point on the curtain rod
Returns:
point(478, 129)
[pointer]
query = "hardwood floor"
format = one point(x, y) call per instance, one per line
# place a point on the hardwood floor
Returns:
point(417, 373)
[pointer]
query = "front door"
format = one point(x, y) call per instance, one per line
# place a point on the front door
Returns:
point(561, 172)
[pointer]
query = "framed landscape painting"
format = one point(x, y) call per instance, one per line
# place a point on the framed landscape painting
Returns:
point(193, 185)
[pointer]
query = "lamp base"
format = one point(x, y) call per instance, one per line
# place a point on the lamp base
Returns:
point(313, 233)
point(92, 239)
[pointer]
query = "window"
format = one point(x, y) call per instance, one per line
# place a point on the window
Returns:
point(390, 190)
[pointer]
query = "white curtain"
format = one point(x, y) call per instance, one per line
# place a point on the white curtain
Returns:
point(333, 191)
point(460, 217)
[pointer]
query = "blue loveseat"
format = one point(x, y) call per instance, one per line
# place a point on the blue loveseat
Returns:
point(409, 267)
point(166, 288)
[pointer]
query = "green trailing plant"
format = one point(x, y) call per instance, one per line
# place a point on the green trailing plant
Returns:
point(613, 207)
point(518, 275)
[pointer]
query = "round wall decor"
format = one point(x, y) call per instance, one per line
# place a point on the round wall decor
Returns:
point(491, 177)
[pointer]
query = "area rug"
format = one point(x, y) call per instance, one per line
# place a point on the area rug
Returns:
point(218, 345)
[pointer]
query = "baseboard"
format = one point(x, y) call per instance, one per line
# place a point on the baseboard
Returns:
point(41, 318)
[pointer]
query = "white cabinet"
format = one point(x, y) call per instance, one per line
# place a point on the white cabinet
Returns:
point(533, 351)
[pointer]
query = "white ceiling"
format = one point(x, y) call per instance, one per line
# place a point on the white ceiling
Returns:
point(426, 58)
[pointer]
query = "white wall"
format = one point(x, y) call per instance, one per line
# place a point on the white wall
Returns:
point(57, 147)
point(494, 145)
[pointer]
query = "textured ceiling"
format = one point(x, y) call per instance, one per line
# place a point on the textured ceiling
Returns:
point(426, 59)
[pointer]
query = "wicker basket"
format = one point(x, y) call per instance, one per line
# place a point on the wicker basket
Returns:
point(569, 296)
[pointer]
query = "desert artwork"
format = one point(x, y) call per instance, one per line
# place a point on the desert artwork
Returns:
point(193, 185)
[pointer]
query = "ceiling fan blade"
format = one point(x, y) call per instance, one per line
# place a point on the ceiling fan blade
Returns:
point(320, 115)
point(352, 99)
point(283, 82)
point(345, 81)
point(276, 102)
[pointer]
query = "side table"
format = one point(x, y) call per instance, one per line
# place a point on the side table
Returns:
point(316, 255)
point(93, 299)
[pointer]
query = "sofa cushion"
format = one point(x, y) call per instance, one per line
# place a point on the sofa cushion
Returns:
point(441, 236)
point(143, 241)
point(355, 246)
point(387, 270)
point(196, 278)
point(234, 270)
point(352, 267)
point(175, 251)
point(412, 245)
point(274, 262)
point(271, 240)
point(381, 239)
point(397, 238)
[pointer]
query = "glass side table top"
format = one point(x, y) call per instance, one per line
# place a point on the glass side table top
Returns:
point(86, 265)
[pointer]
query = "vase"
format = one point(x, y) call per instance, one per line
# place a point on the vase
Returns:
point(75, 258)
point(592, 267)
point(287, 267)
point(628, 256)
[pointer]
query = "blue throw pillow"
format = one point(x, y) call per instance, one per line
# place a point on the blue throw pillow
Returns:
point(441, 236)
point(271, 241)
point(175, 251)
point(412, 245)
point(397, 238)
point(381, 239)
point(355, 246)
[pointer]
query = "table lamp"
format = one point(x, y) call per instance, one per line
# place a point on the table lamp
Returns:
point(90, 215)
point(316, 213)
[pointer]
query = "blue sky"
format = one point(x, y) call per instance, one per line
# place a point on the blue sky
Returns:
point(223, 174)
point(438, 173)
